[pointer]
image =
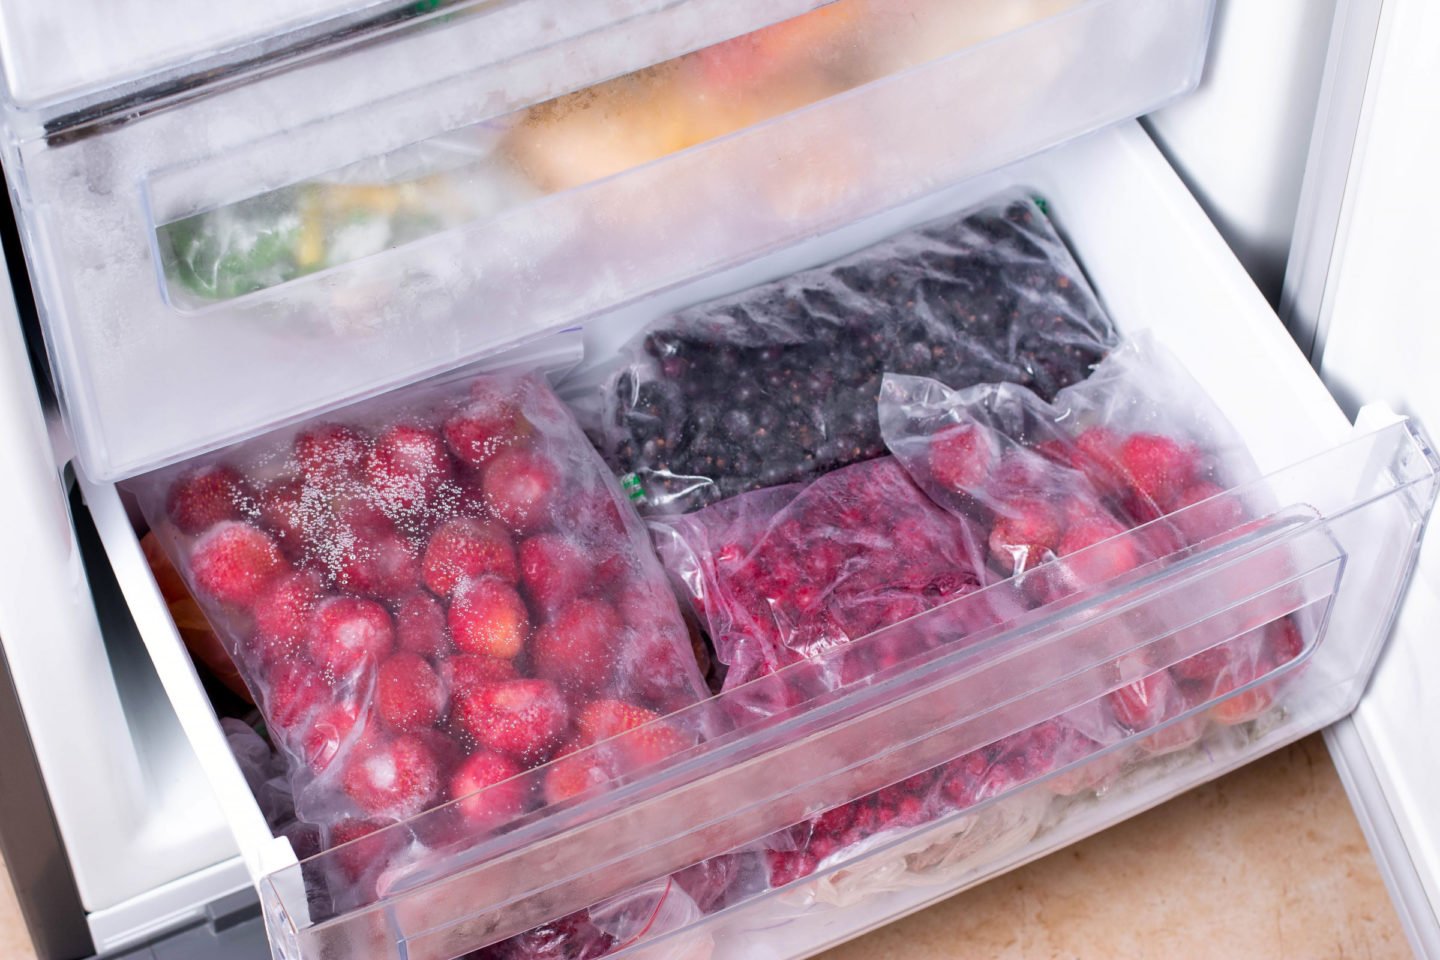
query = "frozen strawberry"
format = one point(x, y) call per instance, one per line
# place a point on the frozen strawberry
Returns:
point(408, 694)
point(291, 516)
point(604, 719)
point(331, 453)
point(1283, 641)
point(962, 457)
point(398, 778)
point(464, 548)
point(233, 562)
point(347, 632)
point(362, 846)
point(1204, 511)
point(576, 772)
point(201, 498)
point(467, 671)
point(420, 625)
point(520, 485)
point(283, 612)
point(1119, 555)
point(294, 689)
point(1239, 707)
point(1159, 468)
point(553, 570)
point(644, 740)
point(407, 468)
point(377, 562)
point(485, 790)
point(328, 734)
point(488, 617)
point(1146, 702)
point(577, 648)
point(489, 423)
point(1097, 454)
point(525, 719)
point(1025, 532)
point(1174, 736)
point(1203, 667)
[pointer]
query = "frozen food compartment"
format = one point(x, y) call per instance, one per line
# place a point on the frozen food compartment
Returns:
point(1332, 543)
point(422, 199)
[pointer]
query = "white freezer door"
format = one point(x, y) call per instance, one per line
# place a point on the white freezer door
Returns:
point(1358, 293)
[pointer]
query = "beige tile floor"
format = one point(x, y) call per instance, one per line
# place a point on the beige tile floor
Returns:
point(1267, 863)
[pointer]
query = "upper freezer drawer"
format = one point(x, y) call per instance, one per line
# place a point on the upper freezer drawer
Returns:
point(232, 258)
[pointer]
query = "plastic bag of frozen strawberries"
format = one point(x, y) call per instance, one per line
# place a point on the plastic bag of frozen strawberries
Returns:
point(1126, 468)
point(429, 593)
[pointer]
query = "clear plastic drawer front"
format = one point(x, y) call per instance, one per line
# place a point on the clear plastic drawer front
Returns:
point(465, 180)
point(1328, 558)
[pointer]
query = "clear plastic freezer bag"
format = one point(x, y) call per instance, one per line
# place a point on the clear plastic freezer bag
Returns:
point(429, 594)
point(778, 384)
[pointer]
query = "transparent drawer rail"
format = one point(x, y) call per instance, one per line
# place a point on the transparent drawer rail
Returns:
point(1331, 550)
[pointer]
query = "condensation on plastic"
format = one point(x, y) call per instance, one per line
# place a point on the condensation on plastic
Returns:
point(429, 593)
point(778, 384)
point(414, 310)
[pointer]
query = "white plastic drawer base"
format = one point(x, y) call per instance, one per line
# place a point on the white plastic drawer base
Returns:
point(1159, 265)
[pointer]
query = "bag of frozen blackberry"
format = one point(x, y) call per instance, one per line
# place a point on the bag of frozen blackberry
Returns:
point(777, 384)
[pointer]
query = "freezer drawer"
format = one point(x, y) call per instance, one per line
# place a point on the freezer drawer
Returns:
point(1341, 519)
point(421, 200)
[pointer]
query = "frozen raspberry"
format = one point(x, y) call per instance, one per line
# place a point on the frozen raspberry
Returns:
point(420, 625)
point(553, 570)
point(362, 846)
point(464, 548)
point(520, 485)
point(203, 497)
point(787, 866)
point(407, 468)
point(408, 694)
point(1147, 702)
point(468, 671)
point(525, 719)
point(233, 562)
point(487, 616)
point(570, 938)
point(1159, 468)
point(327, 734)
point(346, 632)
point(1025, 532)
point(576, 648)
point(485, 798)
point(489, 423)
point(962, 457)
point(399, 778)
point(330, 454)
point(375, 561)
point(293, 689)
point(283, 612)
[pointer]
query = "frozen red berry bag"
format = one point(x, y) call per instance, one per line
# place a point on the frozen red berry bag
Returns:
point(777, 384)
point(430, 594)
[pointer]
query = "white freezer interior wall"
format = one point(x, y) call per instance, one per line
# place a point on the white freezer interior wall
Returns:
point(1240, 141)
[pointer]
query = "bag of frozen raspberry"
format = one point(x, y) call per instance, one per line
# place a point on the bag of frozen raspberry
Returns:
point(430, 594)
point(1129, 467)
point(777, 384)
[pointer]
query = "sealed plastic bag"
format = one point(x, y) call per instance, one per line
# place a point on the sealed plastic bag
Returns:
point(778, 384)
point(429, 594)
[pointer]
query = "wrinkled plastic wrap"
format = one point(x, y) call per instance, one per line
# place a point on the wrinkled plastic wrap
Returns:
point(430, 594)
point(778, 384)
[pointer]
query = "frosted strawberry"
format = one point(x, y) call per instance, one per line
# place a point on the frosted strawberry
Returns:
point(291, 517)
point(644, 740)
point(463, 548)
point(577, 648)
point(407, 468)
point(201, 498)
point(962, 457)
point(347, 632)
point(487, 616)
point(1146, 702)
point(1158, 467)
point(524, 719)
point(294, 689)
point(398, 778)
point(489, 423)
point(331, 453)
point(520, 485)
point(576, 772)
point(362, 846)
point(233, 562)
point(373, 560)
point(1205, 511)
point(283, 612)
point(420, 625)
point(553, 570)
point(328, 734)
point(467, 671)
point(485, 790)
point(408, 694)
point(1025, 531)
point(1119, 555)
